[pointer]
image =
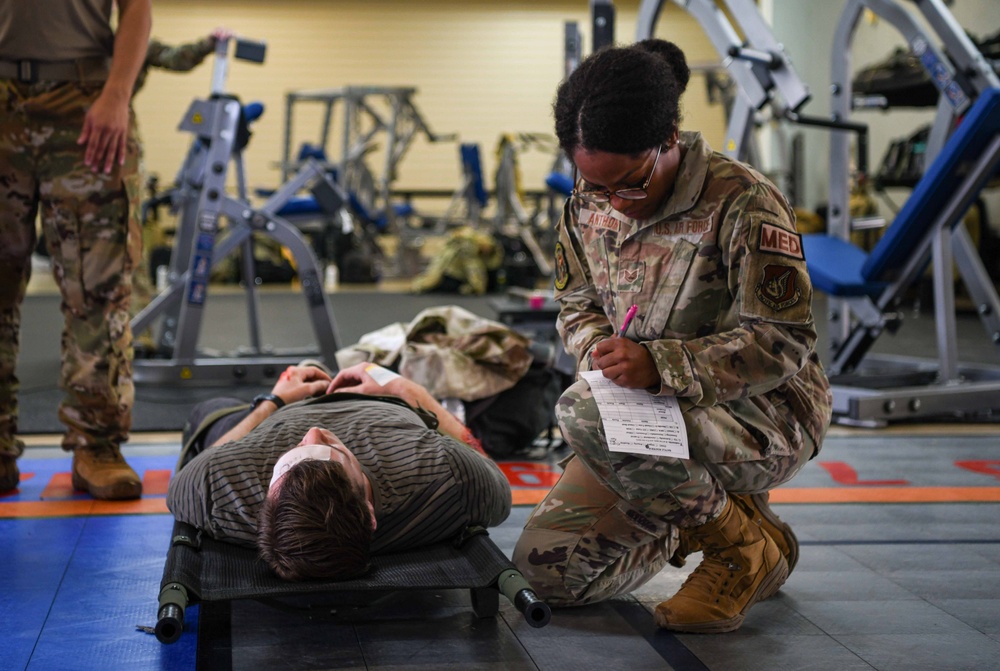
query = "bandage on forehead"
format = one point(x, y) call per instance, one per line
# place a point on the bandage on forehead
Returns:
point(297, 454)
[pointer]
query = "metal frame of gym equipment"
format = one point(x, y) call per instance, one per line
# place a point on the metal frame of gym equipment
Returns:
point(956, 389)
point(508, 195)
point(219, 126)
point(361, 121)
point(758, 64)
point(467, 202)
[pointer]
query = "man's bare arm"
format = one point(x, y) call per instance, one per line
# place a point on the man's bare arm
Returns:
point(360, 380)
point(295, 384)
point(105, 127)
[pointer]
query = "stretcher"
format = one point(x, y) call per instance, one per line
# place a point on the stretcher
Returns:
point(200, 569)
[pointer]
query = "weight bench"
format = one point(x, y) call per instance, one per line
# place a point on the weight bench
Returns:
point(200, 569)
point(867, 289)
point(306, 208)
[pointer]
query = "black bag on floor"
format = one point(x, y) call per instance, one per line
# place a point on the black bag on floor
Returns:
point(508, 423)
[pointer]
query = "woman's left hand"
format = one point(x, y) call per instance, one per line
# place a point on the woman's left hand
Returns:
point(626, 363)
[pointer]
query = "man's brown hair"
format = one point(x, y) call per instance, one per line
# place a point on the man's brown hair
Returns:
point(317, 525)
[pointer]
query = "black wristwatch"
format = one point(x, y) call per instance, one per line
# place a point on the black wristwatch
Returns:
point(273, 398)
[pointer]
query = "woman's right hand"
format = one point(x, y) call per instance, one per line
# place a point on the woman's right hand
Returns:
point(626, 363)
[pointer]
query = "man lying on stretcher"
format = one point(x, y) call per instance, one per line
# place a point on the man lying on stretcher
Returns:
point(374, 464)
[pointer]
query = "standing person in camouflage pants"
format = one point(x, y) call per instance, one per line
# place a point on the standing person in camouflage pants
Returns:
point(707, 249)
point(67, 148)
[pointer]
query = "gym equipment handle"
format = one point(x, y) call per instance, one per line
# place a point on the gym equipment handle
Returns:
point(768, 59)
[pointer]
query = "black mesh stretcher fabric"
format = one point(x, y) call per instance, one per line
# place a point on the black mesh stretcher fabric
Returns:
point(210, 570)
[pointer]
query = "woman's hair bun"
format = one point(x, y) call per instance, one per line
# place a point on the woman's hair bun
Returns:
point(674, 57)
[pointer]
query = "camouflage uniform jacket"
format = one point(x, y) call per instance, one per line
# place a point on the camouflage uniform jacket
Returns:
point(719, 276)
point(181, 58)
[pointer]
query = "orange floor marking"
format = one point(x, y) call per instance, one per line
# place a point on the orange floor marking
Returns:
point(16, 509)
point(60, 487)
point(524, 497)
point(527, 497)
point(138, 507)
point(154, 482)
point(83, 507)
point(885, 494)
point(531, 496)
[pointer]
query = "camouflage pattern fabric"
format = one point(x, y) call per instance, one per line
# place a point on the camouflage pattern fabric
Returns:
point(468, 257)
point(725, 310)
point(182, 58)
point(584, 543)
point(457, 354)
point(450, 351)
point(91, 233)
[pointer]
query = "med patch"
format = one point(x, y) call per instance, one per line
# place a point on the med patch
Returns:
point(778, 288)
point(777, 240)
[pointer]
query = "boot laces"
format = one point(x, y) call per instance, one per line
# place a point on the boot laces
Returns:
point(716, 576)
point(103, 454)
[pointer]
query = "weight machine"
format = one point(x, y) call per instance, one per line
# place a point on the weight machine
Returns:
point(876, 389)
point(366, 112)
point(510, 208)
point(221, 128)
point(960, 77)
point(758, 64)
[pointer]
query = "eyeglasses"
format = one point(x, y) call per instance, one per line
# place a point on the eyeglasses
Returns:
point(603, 195)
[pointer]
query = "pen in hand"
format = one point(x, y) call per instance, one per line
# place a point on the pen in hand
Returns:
point(628, 320)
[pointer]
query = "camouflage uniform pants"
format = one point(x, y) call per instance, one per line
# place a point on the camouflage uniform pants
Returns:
point(92, 239)
point(610, 523)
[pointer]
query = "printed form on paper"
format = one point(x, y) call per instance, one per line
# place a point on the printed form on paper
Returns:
point(638, 422)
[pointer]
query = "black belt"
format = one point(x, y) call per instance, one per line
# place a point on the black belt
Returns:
point(94, 69)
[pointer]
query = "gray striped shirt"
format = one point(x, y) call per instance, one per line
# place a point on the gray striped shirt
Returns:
point(427, 486)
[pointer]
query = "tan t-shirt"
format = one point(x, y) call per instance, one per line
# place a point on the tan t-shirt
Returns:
point(55, 30)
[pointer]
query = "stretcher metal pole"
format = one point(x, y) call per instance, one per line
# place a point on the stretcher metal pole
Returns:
point(170, 614)
point(517, 590)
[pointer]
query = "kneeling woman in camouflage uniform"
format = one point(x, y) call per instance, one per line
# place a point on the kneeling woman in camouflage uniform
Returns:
point(706, 247)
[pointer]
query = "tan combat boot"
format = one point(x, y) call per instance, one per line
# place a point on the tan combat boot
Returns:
point(103, 473)
point(10, 476)
point(759, 510)
point(741, 566)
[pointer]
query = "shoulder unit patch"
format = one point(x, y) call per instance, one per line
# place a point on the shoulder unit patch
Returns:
point(562, 267)
point(778, 288)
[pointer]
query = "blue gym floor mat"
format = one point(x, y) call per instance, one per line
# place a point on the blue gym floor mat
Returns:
point(78, 590)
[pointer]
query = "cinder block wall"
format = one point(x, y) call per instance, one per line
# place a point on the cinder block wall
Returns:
point(482, 68)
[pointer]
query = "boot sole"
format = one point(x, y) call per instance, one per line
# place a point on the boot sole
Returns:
point(11, 478)
point(122, 491)
point(768, 587)
point(791, 540)
point(10, 481)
